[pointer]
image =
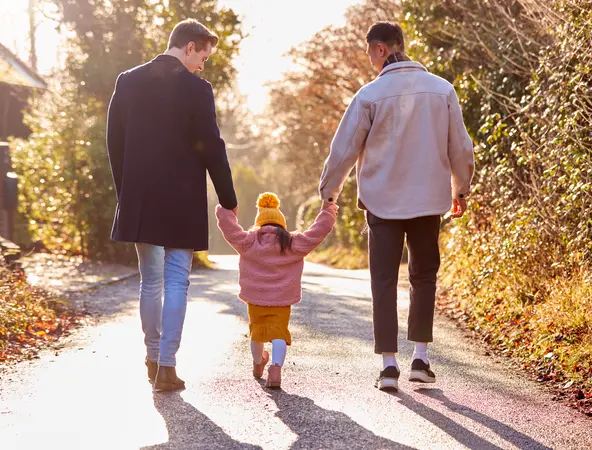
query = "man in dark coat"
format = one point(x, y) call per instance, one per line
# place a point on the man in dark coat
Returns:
point(162, 137)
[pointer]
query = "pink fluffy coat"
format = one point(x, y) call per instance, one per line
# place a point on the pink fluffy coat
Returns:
point(267, 277)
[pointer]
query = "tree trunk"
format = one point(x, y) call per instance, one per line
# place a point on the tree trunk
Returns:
point(32, 32)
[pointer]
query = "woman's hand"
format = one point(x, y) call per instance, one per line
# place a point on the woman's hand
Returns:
point(459, 206)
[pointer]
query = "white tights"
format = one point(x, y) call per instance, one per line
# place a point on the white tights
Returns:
point(279, 349)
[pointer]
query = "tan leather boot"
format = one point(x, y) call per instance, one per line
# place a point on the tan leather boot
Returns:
point(258, 368)
point(167, 380)
point(274, 377)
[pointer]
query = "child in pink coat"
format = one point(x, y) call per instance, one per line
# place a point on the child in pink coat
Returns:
point(270, 273)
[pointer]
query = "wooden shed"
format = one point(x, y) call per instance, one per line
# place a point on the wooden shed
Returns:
point(17, 82)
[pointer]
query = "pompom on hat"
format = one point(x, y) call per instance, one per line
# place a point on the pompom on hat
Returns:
point(268, 205)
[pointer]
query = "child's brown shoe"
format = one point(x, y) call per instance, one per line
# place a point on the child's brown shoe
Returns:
point(274, 377)
point(258, 368)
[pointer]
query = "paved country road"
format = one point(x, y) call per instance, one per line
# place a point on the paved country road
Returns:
point(93, 394)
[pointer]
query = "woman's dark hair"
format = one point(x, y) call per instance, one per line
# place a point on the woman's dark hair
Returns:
point(283, 236)
point(388, 33)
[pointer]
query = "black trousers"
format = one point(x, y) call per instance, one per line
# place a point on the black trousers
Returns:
point(386, 240)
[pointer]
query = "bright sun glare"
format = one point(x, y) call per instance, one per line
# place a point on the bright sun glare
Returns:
point(274, 26)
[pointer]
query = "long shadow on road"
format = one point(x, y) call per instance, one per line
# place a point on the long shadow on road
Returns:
point(347, 316)
point(337, 316)
point(350, 316)
point(189, 429)
point(461, 433)
point(319, 428)
point(520, 440)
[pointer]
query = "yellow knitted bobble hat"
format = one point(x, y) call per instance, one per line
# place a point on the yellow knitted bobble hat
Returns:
point(268, 205)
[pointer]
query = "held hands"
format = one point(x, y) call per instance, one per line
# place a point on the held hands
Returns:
point(459, 206)
point(235, 210)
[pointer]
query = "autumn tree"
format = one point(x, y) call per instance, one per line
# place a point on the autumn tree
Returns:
point(308, 103)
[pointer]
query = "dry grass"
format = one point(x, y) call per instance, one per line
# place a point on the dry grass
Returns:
point(341, 258)
point(30, 318)
point(549, 333)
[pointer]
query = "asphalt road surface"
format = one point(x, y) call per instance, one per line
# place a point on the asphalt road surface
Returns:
point(93, 393)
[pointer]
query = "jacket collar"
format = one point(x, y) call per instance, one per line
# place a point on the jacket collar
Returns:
point(408, 65)
point(169, 59)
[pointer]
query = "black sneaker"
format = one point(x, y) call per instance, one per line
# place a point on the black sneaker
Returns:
point(388, 379)
point(152, 369)
point(421, 373)
point(167, 380)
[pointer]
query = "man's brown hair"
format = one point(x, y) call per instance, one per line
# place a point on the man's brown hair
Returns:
point(388, 33)
point(190, 30)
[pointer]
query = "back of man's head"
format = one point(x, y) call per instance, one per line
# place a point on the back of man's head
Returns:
point(387, 33)
point(190, 30)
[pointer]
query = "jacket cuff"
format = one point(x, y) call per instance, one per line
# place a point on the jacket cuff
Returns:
point(230, 203)
point(461, 195)
point(328, 196)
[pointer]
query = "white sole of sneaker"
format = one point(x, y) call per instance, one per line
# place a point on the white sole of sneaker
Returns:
point(388, 384)
point(418, 376)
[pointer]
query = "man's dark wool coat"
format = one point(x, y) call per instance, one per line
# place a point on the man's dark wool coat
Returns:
point(162, 137)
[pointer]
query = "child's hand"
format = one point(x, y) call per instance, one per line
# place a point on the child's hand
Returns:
point(234, 210)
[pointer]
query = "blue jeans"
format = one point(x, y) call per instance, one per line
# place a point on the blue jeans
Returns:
point(163, 323)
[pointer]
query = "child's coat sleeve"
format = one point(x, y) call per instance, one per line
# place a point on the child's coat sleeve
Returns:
point(309, 240)
point(234, 234)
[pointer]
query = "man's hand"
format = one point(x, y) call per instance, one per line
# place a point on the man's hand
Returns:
point(459, 206)
point(235, 211)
